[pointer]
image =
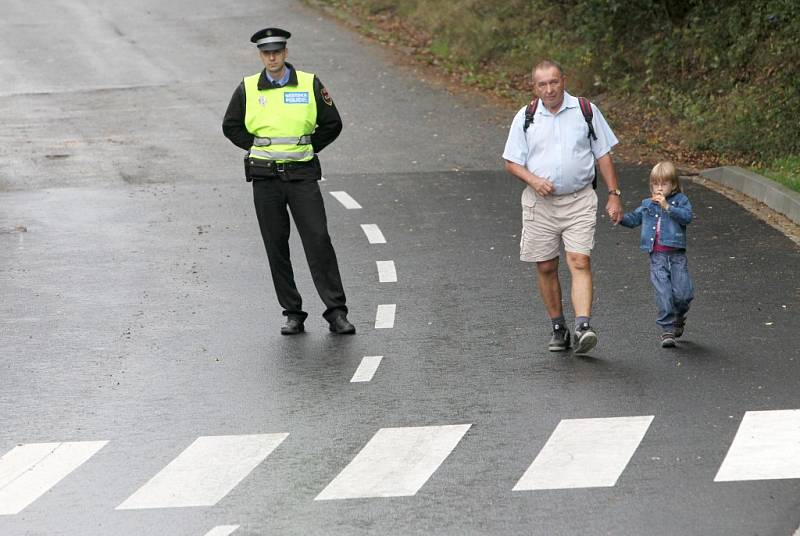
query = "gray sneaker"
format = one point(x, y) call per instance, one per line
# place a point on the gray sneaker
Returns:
point(667, 340)
point(585, 338)
point(560, 340)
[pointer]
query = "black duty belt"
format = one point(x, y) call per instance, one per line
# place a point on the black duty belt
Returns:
point(277, 167)
point(258, 168)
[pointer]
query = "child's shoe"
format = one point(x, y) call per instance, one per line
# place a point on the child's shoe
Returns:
point(667, 340)
point(679, 325)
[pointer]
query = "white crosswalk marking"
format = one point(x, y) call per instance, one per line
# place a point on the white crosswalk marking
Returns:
point(580, 453)
point(366, 370)
point(373, 232)
point(386, 272)
point(28, 471)
point(205, 472)
point(384, 316)
point(766, 447)
point(395, 462)
point(346, 201)
point(222, 530)
point(585, 453)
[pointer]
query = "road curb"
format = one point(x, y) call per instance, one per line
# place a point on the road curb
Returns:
point(774, 195)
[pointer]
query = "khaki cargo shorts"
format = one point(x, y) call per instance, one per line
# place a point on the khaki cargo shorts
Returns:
point(551, 219)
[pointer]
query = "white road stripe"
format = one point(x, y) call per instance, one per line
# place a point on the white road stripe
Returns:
point(374, 234)
point(366, 370)
point(384, 316)
point(766, 447)
point(585, 453)
point(28, 471)
point(386, 272)
point(205, 472)
point(222, 530)
point(395, 462)
point(346, 201)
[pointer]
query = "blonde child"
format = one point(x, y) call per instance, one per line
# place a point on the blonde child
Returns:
point(664, 217)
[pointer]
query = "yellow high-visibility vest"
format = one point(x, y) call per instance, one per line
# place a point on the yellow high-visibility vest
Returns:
point(281, 119)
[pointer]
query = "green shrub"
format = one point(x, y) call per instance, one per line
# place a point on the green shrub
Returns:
point(724, 72)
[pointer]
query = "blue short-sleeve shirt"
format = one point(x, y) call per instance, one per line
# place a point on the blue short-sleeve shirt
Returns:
point(557, 147)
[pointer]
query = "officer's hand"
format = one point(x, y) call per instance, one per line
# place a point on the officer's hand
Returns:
point(542, 186)
point(614, 209)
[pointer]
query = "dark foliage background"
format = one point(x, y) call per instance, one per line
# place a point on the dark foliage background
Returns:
point(722, 75)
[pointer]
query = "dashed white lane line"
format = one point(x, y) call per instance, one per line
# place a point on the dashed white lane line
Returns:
point(396, 462)
point(222, 530)
point(585, 453)
point(366, 370)
point(373, 232)
point(346, 201)
point(386, 272)
point(28, 471)
point(766, 447)
point(384, 317)
point(205, 472)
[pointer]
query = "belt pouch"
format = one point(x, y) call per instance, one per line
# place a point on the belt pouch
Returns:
point(262, 169)
point(304, 171)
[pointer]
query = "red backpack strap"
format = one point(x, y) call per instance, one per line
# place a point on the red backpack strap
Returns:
point(530, 111)
point(586, 110)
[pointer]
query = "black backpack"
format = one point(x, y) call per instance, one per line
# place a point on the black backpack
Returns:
point(586, 110)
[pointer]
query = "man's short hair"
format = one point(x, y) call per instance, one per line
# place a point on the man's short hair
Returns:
point(546, 64)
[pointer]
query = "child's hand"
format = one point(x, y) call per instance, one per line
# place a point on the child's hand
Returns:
point(660, 199)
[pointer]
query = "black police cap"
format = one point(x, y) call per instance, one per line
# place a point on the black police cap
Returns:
point(270, 39)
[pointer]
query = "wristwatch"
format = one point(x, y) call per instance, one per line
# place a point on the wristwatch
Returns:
point(615, 191)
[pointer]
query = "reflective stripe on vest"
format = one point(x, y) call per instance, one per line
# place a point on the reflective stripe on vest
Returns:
point(281, 119)
point(264, 142)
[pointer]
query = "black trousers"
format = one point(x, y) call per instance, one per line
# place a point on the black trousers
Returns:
point(304, 199)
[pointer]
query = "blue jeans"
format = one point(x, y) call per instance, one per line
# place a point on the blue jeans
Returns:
point(669, 274)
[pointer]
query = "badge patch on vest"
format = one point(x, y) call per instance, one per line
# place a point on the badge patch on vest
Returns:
point(295, 97)
point(262, 100)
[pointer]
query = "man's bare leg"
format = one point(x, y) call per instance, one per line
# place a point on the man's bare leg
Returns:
point(550, 287)
point(550, 290)
point(580, 268)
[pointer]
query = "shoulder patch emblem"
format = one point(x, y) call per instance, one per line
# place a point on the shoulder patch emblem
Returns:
point(326, 98)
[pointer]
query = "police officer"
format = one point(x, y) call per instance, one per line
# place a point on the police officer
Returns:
point(283, 117)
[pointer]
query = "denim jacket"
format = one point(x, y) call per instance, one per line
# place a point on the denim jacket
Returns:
point(673, 221)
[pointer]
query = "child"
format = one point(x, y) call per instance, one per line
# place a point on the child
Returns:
point(663, 217)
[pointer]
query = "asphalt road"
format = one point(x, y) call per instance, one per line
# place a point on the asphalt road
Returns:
point(144, 388)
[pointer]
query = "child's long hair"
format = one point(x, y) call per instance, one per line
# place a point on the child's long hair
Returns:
point(665, 172)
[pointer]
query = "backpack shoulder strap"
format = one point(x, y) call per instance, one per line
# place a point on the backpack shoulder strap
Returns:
point(530, 111)
point(586, 110)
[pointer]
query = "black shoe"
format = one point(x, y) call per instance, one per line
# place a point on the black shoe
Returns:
point(293, 326)
point(679, 325)
point(560, 340)
point(585, 338)
point(341, 326)
point(667, 340)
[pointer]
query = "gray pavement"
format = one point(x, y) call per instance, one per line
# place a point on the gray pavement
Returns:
point(137, 308)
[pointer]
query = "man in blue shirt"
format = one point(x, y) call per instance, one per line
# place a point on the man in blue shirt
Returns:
point(555, 158)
